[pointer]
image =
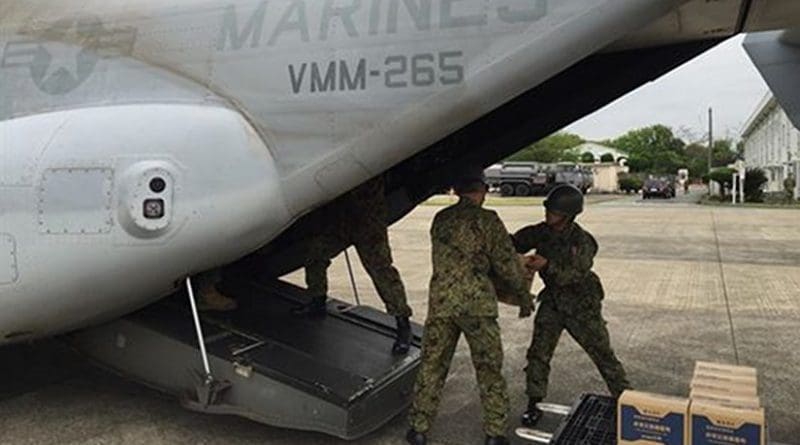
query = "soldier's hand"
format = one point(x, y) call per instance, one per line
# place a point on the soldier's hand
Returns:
point(528, 260)
point(536, 262)
point(525, 311)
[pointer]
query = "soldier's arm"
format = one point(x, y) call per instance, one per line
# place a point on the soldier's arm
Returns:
point(528, 238)
point(505, 261)
point(574, 267)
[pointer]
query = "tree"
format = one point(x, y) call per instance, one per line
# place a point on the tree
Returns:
point(723, 176)
point(554, 148)
point(587, 157)
point(607, 157)
point(723, 153)
point(754, 181)
point(697, 156)
point(788, 188)
point(652, 149)
point(696, 160)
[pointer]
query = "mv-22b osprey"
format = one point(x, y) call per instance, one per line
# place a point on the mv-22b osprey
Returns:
point(145, 141)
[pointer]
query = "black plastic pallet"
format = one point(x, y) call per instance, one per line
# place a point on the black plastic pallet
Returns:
point(592, 421)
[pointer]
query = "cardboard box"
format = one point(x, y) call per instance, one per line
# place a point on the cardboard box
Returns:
point(723, 388)
point(720, 368)
point(732, 401)
point(504, 293)
point(713, 424)
point(644, 418)
point(734, 379)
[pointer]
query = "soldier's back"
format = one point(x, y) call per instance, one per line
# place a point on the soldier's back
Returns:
point(460, 284)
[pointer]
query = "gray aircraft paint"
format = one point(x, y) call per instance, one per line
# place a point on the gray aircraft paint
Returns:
point(240, 29)
point(210, 96)
point(98, 42)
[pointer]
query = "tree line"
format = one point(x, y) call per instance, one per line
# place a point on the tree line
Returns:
point(654, 149)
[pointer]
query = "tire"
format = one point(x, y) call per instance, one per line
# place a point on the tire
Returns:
point(522, 190)
point(506, 189)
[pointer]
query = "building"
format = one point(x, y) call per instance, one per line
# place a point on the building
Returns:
point(598, 150)
point(605, 174)
point(772, 143)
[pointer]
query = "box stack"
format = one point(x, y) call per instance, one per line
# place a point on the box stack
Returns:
point(645, 418)
point(725, 408)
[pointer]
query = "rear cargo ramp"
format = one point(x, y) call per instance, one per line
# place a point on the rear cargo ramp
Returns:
point(335, 375)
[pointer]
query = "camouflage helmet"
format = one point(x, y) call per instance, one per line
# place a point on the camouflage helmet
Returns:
point(565, 199)
point(470, 179)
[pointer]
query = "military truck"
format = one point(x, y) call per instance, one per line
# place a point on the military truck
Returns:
point(518, 178)
point(533, 178)
point(577, 175)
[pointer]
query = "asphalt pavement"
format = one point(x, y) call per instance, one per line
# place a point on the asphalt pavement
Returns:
point(683, 282)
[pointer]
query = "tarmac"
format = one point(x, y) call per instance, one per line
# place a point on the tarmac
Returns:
point(683, 282)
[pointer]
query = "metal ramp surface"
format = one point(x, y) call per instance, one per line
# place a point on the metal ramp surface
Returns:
point(334, 375)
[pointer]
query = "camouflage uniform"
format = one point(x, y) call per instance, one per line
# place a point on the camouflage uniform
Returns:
point(358, 218)
point(468, 243)
point(571, 300)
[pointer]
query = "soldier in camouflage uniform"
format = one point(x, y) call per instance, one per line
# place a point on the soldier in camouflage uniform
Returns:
point(358, 218)
point(469, 243)
point(572, 297)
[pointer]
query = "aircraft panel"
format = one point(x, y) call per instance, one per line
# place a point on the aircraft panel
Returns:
point(772, 15)
point(695, 20)
point(76, 201)
point(8, 259)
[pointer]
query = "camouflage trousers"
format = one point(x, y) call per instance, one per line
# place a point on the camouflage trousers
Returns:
point(376, 256)
point(588, 328)
point(486, 349)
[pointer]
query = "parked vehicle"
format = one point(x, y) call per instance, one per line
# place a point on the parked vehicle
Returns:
point(532, 178)
point(630, 183)
point(660, 187)
point(519, 178)
point(569, 173)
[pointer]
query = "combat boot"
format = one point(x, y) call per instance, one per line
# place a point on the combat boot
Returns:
point(496, 440)
point(403, 341)
point(317, 307)
point(213, 300)
point(415, 437)
point(532, 415)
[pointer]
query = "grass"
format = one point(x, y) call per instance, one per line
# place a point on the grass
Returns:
point(500, 201)
point(751, 205)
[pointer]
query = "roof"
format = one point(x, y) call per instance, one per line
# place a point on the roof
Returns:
point(599, 150)
point(764, 108)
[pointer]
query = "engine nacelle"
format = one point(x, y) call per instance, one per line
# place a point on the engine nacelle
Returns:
point(105, 209)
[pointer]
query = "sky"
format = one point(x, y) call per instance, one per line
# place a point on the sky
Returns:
point(722, 78)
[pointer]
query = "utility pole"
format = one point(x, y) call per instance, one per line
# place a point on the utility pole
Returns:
point(710, 145)
point(710, 136)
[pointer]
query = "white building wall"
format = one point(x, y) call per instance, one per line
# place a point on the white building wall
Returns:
point(772, 143)
point(606, 177)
